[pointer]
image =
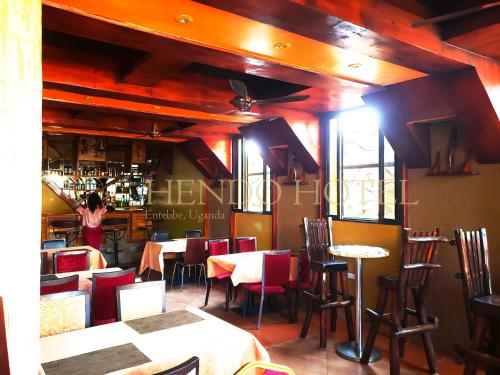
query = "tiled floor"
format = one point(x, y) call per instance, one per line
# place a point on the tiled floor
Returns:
point(303, 355)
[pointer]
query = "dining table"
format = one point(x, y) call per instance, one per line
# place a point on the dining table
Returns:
point(244, 267)
point(353, 350)
point(150, 345)
point(97, 260)
point(152, 257)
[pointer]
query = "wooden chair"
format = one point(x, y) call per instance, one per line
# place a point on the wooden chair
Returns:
point(64, 312)
point(481, 305)
point(219, 246)
point(138, 300)
point(323, 289)
point(418, 258)
point(190, 367)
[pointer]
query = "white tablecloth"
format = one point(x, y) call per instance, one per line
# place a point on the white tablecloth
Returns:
point(221, 347)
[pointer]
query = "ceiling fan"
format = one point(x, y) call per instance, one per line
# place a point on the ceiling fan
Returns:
point(243, 102)
point(155, 132)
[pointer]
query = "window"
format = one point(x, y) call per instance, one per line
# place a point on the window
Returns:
point(253, 178)
point(361, 169)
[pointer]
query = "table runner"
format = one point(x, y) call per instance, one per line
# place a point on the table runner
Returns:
point(163, 321)
point(98, 362)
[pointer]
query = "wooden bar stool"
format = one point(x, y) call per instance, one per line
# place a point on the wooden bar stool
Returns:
point(324, 272)
point(67, 229)
point(115, 229)
point(481, 305)
point(417, 263)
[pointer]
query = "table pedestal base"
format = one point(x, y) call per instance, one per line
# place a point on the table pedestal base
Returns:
point(347, 350)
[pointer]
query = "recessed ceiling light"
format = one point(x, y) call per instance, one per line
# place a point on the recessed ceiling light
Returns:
point(354, 65)
point(282, 45)
point(184, 18)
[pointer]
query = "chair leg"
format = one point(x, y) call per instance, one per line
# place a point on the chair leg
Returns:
point(227, 295)
point(260, 309)
point(289, 305)
point(149, 272)
point(173, 274)
point(480, 323)
point(245, 303)
point(182, 278)
point(296, 306)
point(333, 297)
point(426, 337)
point(372, 333)
point(209, 285)
point(394, 349)
point(347, 310)
point(309, 307)
point(323, 316)
point(236, 288)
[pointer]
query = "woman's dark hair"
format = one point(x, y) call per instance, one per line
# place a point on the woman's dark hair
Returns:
point(94, 201)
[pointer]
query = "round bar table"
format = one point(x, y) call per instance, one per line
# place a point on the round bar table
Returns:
point(353, 350)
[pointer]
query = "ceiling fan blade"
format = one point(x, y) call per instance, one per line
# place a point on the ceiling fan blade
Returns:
point(283, 99)
point(239, 88)
point(239, 112)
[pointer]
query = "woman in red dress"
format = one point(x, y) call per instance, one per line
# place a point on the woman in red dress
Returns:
point(92, 216)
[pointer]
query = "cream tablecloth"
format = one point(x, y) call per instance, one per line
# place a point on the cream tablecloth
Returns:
point(221, 347)
point(244, 267)
point(97, 260)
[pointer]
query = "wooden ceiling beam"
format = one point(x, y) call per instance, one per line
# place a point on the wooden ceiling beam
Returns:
point(150, 70)
point(106, 104)
point(229, 35)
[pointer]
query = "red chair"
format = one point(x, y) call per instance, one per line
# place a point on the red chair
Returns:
point(71, 261)
point(219, 247)
point(275, 274)
point(303, 276)
point(245, 244)
point(104, 294)
point(64, 284)
point(195, 255)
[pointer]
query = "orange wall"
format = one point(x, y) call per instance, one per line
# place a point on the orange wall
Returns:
point(257, 225)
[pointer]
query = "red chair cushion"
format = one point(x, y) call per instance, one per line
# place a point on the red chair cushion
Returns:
point(104, 297)
point(256, 288)
point(218, 247)
point(70, 286)
point(246, 245)
point(223, 276)
point(71, 262)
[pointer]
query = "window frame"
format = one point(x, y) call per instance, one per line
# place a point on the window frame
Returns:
point(241, 190)
point(398, 173)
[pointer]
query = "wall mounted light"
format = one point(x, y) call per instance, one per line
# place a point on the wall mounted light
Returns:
point(184, 18)
point(282, 45)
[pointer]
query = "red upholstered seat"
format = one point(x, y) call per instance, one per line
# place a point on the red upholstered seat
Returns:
point(104, 294)
point(65, 284)
point(272, 289)
point(71, 261)
point(216, 247)
point(223, 276)
point(246, 245)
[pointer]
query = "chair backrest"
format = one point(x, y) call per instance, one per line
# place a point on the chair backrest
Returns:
point(104, 294)
point(161, 236)
point(276, 267)
point(190, 367)
point(317, 231)
point(195, 251)
point(218, 246)
point(245, 244)
point(418, 259)
point(56, 243)
point(139, 300)
point(64, 312)
point(71, 261)
point(473, 257)
point(64, 284)
point(193, 233)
